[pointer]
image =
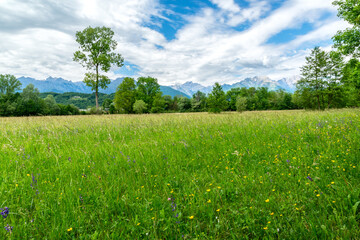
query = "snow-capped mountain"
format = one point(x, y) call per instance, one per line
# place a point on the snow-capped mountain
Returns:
point(286, 84)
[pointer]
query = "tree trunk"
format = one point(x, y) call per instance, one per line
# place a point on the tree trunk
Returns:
point(97, 88)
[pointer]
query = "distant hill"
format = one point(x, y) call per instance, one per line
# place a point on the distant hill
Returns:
point(60, 85)
point(81, 100)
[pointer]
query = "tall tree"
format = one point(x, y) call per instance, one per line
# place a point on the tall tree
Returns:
point(96, 54)
point(348, 41)
point(125, 96)
point(313, 78)
point(9, 84)
point(217, 99)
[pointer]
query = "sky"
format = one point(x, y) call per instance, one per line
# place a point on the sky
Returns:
point(175, 41)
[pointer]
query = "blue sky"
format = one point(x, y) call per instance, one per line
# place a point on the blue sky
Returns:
point(176, 41)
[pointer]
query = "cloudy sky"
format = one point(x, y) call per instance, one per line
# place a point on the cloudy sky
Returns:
point(203, 41)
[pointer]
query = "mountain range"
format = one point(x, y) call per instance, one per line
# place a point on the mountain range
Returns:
point(286, 84)
point(60, 85)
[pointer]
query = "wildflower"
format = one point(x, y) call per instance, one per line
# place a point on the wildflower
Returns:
point(138, 224)
point(4, 212)
point(267, 200)
point(8, 228)
point(208, 190)
point(308, 177)
point(265, 228)
point(191, 217)
point(69, 230)
point(218, 210)
point(209, 201)
point(271, 213)
point(318, 195)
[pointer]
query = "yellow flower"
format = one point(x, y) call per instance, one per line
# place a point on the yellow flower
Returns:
point(70, 229)
point(138, 224)
point(208, 190)
point(271, 213)
point(16, 185)
point(209, 201)
point(265, 228)
point(191, 217)
point(28, 175)
point(218, 210)
point(267, 200)
point(218, 187)
point(318, 195)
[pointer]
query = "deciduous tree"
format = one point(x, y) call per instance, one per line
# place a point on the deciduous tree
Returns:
point(96, 54)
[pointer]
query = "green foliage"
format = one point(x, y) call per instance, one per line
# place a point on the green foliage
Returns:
point(52, 108)
point(125, 96)
point(158, 105)
point(217, 99)
point(320, 86)
point(198, 102)
point(96, 54)
point(140, 107)
point(255, 175)
point(348, 41)
point(8, 84)
point(241, 104)
point(95, 81)
point(147, 90)
point(184, 104)
point(231, 97)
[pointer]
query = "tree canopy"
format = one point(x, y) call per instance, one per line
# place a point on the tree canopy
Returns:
point(348, 41)
point(9, 84)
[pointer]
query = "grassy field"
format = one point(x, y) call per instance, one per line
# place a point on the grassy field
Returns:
point(255, 175)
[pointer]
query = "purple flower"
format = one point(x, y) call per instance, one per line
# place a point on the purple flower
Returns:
point(308, 177)
point(8, 228)
point(4, 212)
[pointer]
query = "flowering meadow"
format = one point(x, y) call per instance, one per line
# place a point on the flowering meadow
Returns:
point(251, 175)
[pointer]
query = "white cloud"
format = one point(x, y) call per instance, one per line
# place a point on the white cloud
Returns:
point(38, 38)
point(228, 5)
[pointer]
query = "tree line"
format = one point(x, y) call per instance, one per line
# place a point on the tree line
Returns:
point(28, 102)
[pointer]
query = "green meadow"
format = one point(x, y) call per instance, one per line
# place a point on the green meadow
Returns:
point(251, 175)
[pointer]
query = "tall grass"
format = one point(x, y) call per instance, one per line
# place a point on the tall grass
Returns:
point(255, 175)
